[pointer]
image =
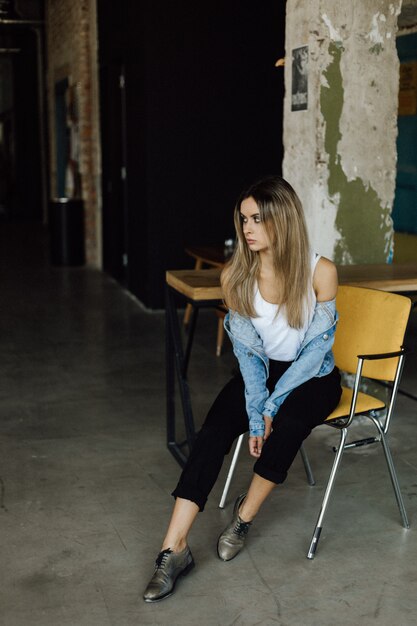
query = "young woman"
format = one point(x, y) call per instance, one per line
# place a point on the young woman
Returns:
point(281, 321)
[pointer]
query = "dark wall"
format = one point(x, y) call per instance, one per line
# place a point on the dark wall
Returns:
point(203, 119)
point(23, 169)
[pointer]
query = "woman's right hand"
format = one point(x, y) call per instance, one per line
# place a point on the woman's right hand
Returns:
point(255, 446)
point(256, 443)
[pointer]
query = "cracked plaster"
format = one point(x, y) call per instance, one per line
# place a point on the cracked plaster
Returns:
point(340, 154)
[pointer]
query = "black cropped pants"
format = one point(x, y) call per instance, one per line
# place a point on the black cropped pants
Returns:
point(307, 406)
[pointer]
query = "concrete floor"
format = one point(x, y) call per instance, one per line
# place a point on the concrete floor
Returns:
point(86, 477)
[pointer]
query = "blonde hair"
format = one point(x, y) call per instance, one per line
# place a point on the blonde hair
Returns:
point(282, 214)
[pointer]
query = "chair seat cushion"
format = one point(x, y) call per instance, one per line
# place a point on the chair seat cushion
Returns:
point(364, 404)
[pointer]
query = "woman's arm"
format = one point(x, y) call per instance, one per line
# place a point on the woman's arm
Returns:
point(256, 393)
point(253, 366)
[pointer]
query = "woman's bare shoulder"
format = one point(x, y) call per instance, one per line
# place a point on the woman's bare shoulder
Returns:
point(325, 280)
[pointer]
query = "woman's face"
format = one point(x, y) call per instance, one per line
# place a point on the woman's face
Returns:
point(254, 230)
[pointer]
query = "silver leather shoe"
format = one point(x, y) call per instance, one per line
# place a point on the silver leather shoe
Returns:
point(169, 566)
point(232, 539)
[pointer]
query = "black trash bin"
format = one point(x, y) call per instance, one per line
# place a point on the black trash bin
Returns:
point(66, 231)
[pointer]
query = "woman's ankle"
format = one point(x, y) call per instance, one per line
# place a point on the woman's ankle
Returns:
point(175, 546)
point(246, 515)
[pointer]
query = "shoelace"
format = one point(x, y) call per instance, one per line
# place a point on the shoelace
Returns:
point(162, 558)
point(241, 528)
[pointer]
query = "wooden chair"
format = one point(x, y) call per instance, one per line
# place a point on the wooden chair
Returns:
point(210, 256)
point(221, 313)
point(369, 344)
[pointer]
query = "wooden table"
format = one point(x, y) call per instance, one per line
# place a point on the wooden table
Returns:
point(196, 285)
point(210, 256)
point(396, 277)
point(205, 284)
point(199, 288)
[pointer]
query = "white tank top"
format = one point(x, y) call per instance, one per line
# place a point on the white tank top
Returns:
point(280, 341)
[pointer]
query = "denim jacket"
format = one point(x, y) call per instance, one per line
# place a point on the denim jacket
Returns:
point(314, 358)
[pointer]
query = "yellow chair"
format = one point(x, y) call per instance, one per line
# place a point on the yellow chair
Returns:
point(368, 343)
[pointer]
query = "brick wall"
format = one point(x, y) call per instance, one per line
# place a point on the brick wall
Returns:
point(71, 37)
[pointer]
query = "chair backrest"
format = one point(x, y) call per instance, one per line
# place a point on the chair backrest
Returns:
point(370, 322)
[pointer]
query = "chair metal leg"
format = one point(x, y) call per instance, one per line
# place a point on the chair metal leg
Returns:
point(231, 471)
point(319, 525)
point(307, 467)
point(392, 473)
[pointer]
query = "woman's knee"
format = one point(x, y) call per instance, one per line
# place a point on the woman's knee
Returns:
point(217, 438)
point(292, 422)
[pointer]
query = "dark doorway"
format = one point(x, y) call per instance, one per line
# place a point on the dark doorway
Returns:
point(114, 170)
point(20, 149)
point(195, 116)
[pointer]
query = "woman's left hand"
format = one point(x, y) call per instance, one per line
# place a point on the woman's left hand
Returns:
point(268, 427)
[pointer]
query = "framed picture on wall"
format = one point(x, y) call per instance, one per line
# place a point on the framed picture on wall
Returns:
point(299, 86)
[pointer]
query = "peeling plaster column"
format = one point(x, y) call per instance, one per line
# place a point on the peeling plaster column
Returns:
point(340, 153)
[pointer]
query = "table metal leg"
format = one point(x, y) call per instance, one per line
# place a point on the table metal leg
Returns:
point(175, 362)
point(170, 377)
point(194, 316)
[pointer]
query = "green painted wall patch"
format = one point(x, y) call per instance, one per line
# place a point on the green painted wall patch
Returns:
point(361, 219)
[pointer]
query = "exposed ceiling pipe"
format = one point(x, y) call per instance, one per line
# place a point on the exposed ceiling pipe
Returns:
point(9, 15)
point(8, 22)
